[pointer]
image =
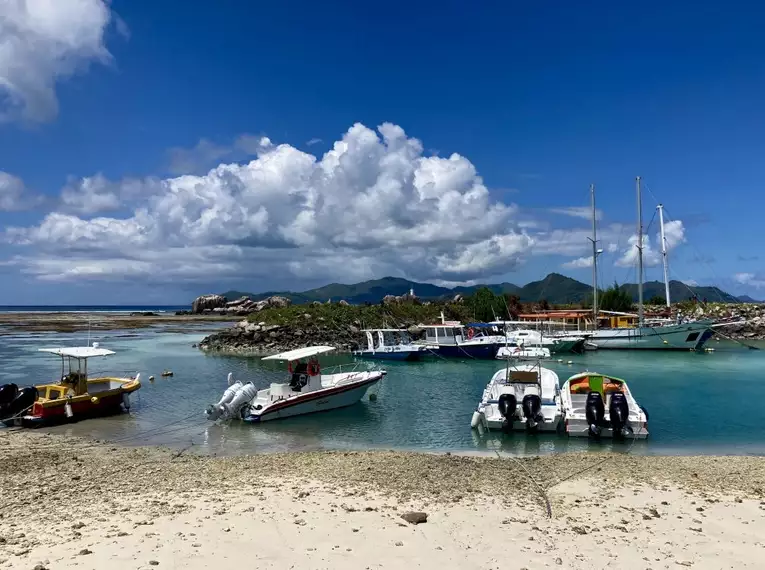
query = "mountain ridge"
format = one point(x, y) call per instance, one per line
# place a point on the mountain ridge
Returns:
point(554, 288)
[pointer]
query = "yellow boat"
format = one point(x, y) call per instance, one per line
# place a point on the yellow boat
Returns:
point(74, 397)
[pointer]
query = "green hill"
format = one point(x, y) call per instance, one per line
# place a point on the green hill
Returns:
point(555, 288)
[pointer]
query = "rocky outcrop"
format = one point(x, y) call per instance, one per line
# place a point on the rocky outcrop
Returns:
point(250, 337)
point(406, 298)
point(242, 306)
point(207, 303)
point(747, 320)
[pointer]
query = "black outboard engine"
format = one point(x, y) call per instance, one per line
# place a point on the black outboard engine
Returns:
point(23, 400)
point(8, 393)
point(532, 409)
point(596, 412)
point(507, 405)
point(618, 412)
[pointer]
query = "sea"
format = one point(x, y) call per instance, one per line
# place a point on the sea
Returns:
point(699, 403)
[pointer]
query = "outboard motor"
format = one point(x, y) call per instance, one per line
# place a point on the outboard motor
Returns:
point(233, 399)
point(8, 393)
point(596, 412)
point(507, 405)
point(618, 412)
point(23, 400)
point(532, 409)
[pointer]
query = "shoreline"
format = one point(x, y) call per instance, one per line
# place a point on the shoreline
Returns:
point(143, 507)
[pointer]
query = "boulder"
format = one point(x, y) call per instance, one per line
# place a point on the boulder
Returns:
point(277, 301)
point(240, 301)
point(343, 303)
point(206, 303)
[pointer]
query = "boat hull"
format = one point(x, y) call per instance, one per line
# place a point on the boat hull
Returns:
point(477, 351)
point(318, 401)
point(672, 337)
point(56, 414)
point(578, 427)
point(399, 355)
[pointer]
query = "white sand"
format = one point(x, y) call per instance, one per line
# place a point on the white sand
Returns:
point(141, 509)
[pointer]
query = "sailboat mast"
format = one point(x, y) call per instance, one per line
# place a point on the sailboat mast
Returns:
point(640, 251)
point(664, 260)
point(594, 260)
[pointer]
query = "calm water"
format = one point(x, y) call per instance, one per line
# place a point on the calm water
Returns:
point(698, 403)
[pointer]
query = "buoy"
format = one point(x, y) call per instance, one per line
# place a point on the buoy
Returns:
point(665, 342)
point(94, 400)
point(68, 410)
point(372, 397)
point(560, 360)
point(570, 362)
point(167, 373)
point(151, 378)
point(475, 421)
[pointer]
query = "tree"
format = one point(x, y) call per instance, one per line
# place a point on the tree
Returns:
point(514, 307)
point(615, 299)
point(544, 305)
point(656, 300)
point(486, 304)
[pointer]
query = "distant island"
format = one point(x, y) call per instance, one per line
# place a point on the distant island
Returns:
point(555, 289)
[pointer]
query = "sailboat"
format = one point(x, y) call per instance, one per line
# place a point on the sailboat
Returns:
point(686, 336)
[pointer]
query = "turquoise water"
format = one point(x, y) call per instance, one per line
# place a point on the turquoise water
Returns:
point(698, 403)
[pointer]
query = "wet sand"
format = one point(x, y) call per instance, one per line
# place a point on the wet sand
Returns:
point(70, 503)
point(11, 323)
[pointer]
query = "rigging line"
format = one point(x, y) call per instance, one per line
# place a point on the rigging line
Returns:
point(542, 491)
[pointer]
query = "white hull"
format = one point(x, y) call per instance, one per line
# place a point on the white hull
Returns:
point(489, 416)
point(317, 403)
point(580, 428)
point(522, 353)
point(691, 336)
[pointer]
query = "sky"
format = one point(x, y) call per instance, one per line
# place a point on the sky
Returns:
point(154, 151)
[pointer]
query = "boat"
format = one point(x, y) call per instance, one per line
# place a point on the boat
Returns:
point(513, 350)
point(74, 396)
point(525, 397)
point(588, 395)
point(390, 344)
point(679, 336)
point(453, 340)
point(308, 390)
point(552, 341)
point(166, 373)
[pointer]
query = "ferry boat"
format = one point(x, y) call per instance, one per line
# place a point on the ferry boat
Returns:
point(308, 390)
point(74, 396)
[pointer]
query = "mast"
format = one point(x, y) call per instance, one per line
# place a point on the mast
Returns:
point(664, 260)
point(640, 251)
point(594, 260)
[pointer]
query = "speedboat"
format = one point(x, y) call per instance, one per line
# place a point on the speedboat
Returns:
point(586, 397)
point(308, 390)
point(513, 350)
point(524, 397)
point(74, 396)
point(553, 341)
point(390, 344)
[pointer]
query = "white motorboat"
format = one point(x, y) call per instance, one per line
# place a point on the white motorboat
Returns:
point(524, 397)
point(588, 395)
point(308, 390)
point(390, 344)
point(513, 350)
point(553, 341)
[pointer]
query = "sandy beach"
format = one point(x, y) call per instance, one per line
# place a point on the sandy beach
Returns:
point(73, 503)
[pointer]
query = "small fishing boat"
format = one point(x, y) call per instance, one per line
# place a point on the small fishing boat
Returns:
point(524, 397)
point(73, 397)
point(515, 351)
point(452, 339)
point(390, 344)
point(308, 390)
point(586, 397)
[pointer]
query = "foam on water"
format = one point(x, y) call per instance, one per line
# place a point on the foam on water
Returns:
point(698, 403)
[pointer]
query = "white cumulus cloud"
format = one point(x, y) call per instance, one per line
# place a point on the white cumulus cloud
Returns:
point(14, 195)
point(41, 42)
point(578, 263)
point(674, 233)
point(750, 280)
point(372, 205)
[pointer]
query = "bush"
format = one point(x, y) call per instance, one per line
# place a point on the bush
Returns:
point(615, 299)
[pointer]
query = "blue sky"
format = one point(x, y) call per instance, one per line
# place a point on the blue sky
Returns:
point(112, 117)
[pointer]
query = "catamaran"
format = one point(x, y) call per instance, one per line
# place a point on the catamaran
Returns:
point(308, 390)
point(74, 396)
point(686, 336)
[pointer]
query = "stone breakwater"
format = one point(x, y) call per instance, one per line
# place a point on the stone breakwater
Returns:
point(747, 319)
point(247, 337)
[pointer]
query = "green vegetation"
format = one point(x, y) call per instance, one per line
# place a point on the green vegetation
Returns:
point(656, 300)
point(363, 316)
point(615, 299)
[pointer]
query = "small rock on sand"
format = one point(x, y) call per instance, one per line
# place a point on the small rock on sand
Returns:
point(153, 563)
point(85, 552)
point(415, 517)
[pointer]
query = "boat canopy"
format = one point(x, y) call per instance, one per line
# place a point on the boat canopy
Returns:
point(481, 325)
point(297, 354)
point(78, 351)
